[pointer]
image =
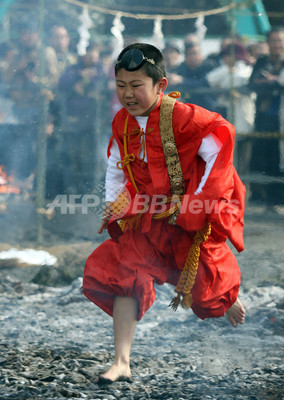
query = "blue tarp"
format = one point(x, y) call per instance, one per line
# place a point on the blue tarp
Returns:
point(250, 18)
point(5, 4)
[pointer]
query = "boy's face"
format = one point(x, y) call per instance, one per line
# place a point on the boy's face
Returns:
point(136, 92)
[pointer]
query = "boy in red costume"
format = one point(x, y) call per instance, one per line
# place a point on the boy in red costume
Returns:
point(188, 201)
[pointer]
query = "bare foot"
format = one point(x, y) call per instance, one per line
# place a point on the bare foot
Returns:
point(117, 371)
point(236, 314)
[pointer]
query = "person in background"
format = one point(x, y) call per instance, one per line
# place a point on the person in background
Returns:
point(7, 115)
point(239, 105)
point(24, 83)
point(28, 57)
point(32, 75)
point(191, 38)
point(25, 75)
point(79, 89)
point(59, 54)
point(172, 55)
point(256, 50)
point(215, 58)
point(59, 49)
point(190, 78)
point(264, 82)
point(78, 84)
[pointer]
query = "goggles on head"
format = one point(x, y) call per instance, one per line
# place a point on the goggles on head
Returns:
point(133, 59)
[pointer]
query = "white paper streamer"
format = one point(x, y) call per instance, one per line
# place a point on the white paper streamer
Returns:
point(83, 30)
point(158, 36)
point(117, 29)
point(200, 28)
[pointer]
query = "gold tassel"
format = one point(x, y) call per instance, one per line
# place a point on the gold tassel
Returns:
point(175, 302)
point(189, 271)
point(175, 94)
point(187, 301)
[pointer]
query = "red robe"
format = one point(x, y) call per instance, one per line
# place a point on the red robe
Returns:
point(130, 264)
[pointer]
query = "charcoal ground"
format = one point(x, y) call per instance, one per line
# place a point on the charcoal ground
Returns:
point(54, 342)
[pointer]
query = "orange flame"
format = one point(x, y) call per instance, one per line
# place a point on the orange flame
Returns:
point(6, 185)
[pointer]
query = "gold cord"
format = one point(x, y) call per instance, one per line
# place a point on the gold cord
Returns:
point(127, 157)
point(189, 271)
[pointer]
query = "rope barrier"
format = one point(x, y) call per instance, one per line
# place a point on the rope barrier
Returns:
point(272, 14)
point(260, 178)
point(260, 135)
point(188, 15)
point(192, 15)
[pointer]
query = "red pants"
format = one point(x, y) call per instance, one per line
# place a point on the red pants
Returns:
point(132, 264)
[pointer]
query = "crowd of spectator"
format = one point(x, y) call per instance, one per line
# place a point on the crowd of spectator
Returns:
point(242, 82)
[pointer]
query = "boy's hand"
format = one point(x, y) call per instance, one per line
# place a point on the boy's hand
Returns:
point(106, 217)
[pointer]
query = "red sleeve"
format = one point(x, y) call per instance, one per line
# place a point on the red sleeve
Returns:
point(223, 196)
point(109, 146)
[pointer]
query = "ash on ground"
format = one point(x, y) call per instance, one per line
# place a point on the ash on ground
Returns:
point(54, 342)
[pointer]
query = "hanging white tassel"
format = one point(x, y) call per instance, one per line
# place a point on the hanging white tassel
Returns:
point(158, 36)
point(117, 29)
point(83, 30)
point(201, 29)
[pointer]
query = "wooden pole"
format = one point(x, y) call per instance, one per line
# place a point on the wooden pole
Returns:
point(232, 115)
point(41, 137)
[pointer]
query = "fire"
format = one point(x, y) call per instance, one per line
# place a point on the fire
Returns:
point(6, 183)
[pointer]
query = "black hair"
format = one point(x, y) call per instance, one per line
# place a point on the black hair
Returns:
point(190, 45)
point(171, 46)
point(155, 71)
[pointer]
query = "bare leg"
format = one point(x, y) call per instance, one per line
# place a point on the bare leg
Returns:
point(125, 313)
point(236, 314)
